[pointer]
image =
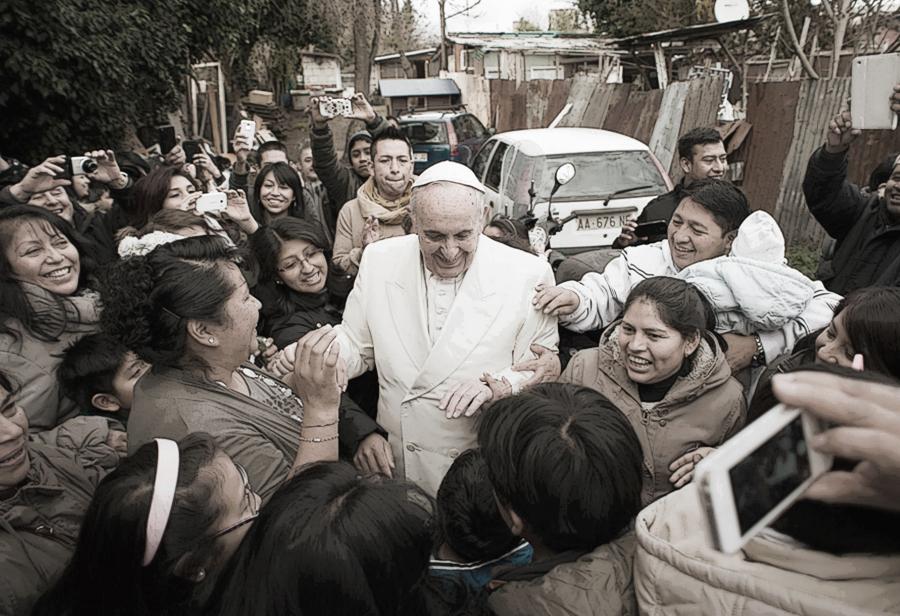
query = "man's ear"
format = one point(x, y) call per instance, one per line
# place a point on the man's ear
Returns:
point(199, 332)
point(686, 165)
point(729, 240)
point(108, 403)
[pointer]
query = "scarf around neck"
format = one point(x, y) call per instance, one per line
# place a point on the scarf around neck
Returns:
point(54, 315)
point(372, 203)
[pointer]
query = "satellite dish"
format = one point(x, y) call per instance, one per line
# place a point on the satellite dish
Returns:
point(731, 10)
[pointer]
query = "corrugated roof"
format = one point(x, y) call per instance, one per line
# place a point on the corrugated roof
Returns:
point(552, 42)
point(699, 31)
point(416, 52)
point(417, 87)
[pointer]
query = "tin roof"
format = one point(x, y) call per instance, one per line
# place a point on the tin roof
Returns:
point(417, 87)
point(534, 42)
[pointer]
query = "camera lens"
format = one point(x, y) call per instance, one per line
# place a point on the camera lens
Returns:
point(89, 165)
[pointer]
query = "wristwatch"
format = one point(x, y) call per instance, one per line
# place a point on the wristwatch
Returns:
point(759, 358)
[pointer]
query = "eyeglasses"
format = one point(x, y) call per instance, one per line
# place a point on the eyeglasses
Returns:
point(250, 504)
point(308, 255)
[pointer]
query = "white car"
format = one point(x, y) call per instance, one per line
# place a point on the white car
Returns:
point(615, 177)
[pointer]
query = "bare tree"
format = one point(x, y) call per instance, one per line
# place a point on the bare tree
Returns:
point(455, 10)
point(366, 35)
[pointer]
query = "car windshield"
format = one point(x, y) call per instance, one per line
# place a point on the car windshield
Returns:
point(424, 132)
point(597, 175)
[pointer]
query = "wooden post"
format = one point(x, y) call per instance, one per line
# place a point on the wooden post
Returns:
point(662, 71)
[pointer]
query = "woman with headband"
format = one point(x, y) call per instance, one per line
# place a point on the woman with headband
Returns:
point(157, 532)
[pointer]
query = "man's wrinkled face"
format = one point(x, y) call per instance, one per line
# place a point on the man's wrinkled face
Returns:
point(448, 219)
point(55, 200)
point(707, 161)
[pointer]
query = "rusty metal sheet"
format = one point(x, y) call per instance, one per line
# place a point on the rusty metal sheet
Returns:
point(598, 107)
point(634, 114)
point(867, 152)
point(663, 141)
point(509, 103)
point(580, 92)
point(770, 107)
point(818, 101)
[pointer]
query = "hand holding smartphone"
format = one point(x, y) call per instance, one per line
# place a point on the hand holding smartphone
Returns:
point(754, 477)
point(333, 107)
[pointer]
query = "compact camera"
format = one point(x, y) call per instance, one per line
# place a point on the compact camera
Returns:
point(82, 165)
point(333, 107)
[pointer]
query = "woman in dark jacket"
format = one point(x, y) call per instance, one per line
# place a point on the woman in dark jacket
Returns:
point(295, 291)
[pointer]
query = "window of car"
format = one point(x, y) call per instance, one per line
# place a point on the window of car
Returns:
point(461, 128)
point(492, 180)
point(476, 128)
point(481, 159)
point(424, 132)
point(597, 175)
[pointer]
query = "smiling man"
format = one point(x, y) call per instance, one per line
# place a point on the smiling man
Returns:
point(703, 227)
point(434, 312)
point(865, 226)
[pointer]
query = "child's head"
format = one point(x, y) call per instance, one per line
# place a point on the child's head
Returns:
point(469, 522)
point(99, 374)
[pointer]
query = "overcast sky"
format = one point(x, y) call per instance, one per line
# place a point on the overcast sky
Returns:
point(489, 15)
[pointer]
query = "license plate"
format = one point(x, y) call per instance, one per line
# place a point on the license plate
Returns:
point(600, 222)
point(420, 157)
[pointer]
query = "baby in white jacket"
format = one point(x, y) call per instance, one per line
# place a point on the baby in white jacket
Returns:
point(752, 289)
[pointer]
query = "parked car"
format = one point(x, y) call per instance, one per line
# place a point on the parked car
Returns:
point(447, 135)
point(615, 177)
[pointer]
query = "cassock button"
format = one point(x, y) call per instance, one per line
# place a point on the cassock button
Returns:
point(411, 447)
point(453, 453)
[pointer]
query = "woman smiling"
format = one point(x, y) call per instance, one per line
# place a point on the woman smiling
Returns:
point(45, 305)
point(664, 369)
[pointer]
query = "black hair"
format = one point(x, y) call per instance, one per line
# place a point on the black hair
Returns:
point(284, 174)
point(147, 301)
point(104, 575)
point(723, 200)
point(89, 366)
point(150, 191)
point(391, 133)
point(838, 528)
point(872, 323)
point(882, 172)
point(14, 303)
point(513, 232)
point(468, 519)
point(267, 242)
point(270, 146)
point(172, 221)
point(696, 136)
point(362, 135)
point(678, 303)
point(344, 544)
point(567, 461)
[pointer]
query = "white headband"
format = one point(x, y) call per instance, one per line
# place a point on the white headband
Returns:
point(167, 462)
point(140, 246)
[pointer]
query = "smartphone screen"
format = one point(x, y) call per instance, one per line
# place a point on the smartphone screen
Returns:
point(191, 149)
point(167, 139)
point(770, 474)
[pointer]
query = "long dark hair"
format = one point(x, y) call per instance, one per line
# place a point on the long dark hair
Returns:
point(267, 242)
point(105, 575)
point(345, 545)
point(13, 301)
point(284, 174)
point(872, 322)
point(679, 305)
point(149, 193)
point(147, 301)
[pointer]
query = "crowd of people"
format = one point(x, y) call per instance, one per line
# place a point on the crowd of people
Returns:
point(353, 390)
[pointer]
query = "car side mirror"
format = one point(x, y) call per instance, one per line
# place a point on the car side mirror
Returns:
point(492, 131)
point(564, 175)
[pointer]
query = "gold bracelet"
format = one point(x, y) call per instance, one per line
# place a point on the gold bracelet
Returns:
point(327, 425)
point(318, 439)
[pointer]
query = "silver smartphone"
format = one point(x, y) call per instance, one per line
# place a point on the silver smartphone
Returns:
point(755, 476)
point(871, 86)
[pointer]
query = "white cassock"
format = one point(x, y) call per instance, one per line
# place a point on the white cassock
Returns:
point(488, 327)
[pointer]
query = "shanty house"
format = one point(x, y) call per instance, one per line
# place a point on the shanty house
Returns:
point(402, 95)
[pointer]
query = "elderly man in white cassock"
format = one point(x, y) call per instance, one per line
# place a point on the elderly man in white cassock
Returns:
point(440, 313)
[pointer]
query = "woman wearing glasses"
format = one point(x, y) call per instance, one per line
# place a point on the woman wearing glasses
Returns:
point(158, 531)
point(293, 260)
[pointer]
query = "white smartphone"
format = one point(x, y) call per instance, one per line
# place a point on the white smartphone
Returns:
point(871, 86)
point(333, 107)
point(211, 203)
point(247, 129)
point(754, 477)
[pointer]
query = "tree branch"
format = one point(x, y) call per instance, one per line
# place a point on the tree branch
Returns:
point(789, 26)
point(469, 6)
